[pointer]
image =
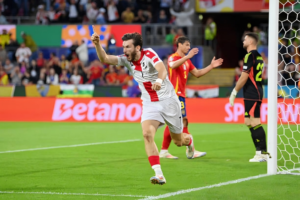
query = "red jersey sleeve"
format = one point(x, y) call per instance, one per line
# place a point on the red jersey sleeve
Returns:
point(191, 66)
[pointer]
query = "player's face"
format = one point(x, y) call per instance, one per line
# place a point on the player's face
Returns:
point(246, 42)
point(185, 47)
point(129, 50)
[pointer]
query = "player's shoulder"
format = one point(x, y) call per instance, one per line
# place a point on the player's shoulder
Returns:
point(174, 57)
point(149, 52)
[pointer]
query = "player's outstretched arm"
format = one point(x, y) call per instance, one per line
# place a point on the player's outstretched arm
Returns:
point(214, 63)
point(162, 74)
point(180, 61)
point(103, 57)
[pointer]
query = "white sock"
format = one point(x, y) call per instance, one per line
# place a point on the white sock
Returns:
point(162, 151)
point(258, 152)
point(157, 170)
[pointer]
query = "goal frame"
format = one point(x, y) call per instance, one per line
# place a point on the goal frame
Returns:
point(272, 85)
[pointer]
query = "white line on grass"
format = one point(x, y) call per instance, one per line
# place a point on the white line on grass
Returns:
point(69, 146)
point(205, 187)
point(73, 194)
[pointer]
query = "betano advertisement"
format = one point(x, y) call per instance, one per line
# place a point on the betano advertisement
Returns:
point(129, 110)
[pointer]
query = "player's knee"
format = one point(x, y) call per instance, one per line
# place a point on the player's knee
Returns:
point(148, 134)
point(185, 122)
point(178, 143)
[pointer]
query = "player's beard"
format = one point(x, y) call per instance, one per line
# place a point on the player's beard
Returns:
point(245, 47)
point(132, 56)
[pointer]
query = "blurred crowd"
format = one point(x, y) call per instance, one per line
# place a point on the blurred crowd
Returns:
point(98, 11)
point(25, 65)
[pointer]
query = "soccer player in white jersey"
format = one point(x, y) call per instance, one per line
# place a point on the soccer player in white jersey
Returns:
point(160, 103)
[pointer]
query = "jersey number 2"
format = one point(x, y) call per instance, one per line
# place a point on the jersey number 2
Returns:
point(259, 67)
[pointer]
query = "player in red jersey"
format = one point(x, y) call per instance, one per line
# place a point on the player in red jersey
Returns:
point(179, 65)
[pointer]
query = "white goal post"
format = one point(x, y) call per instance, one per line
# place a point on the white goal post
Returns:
point(272, 84)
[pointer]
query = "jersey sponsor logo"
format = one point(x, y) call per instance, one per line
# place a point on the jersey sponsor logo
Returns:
point(66, 109)
point(244, 67)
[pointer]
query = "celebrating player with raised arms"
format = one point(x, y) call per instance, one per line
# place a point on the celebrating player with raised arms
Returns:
point(180, 65)
point(250, 81)
point(160, 103)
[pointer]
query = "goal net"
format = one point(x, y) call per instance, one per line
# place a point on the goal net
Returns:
point(288, 132)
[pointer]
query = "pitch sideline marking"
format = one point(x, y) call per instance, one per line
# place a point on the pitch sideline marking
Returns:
point(73, 194)
point(205, 187)
point(69, 146)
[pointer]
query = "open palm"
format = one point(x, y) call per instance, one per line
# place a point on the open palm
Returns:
point(216, 63)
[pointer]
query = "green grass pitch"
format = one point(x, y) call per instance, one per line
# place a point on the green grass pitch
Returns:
point(123, 168)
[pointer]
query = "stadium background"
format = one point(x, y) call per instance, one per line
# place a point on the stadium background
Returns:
point(30, 104)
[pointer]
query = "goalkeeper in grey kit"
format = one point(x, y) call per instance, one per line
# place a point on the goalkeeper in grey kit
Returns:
point(251, 82)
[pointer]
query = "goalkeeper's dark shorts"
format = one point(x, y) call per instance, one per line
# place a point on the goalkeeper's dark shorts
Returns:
point(252, 108)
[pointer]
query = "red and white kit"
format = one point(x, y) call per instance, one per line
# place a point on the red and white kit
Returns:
point(162, 105)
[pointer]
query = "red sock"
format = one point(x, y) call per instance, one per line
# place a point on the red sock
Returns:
point(154, 160)
point(190, 141)
point(185, 130)
point(167, 139)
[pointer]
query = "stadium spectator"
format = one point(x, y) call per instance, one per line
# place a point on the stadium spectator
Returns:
point(289, 76)
point(95, 72)
point(127, 15)
point(64, 77)
point(26, 79)
point(73, 12)
point(4, 80)
point(23, 4)
point(4, 38)
point(16, 76)
point(112, 12)
point(101, 16)
point(42, 78)
point(40, 61)
point(122, 77)
point(162, 19)
point(132, 89)
point(9, 8)
point(76, 79)
point(54, 63)
point(92, 12)
point(64, 63)
point(23, 53)
point(52, 78)
point(3, 55)
point(74, 62)
point(2, 19)
point(72, 49)
point(111, 77)
point(30, 43)
point(172, 20)
point(8, 67)
point(41, 15)
point(51, 14)
point(82, 52)
point(294, 51)
point(61, 15)
point(210, 31)
point(82, 18)
point(166, 5)
point(88, 5)
point(170, 37)
point(34, 72)
point(140, 18)
point(23, 67)
point(183, 17)
point(262, 36)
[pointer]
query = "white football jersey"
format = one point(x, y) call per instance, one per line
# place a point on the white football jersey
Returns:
point(145, 74)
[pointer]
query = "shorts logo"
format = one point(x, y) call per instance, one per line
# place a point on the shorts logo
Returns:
point(244, 67)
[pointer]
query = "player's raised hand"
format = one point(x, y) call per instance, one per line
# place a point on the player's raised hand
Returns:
point(95, 37)
point(156, 86)
point(193, 52)
point(216, 63)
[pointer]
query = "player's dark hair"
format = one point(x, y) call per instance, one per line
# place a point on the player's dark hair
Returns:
point(253, 36)
point(136, 37)
point(182, 40)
